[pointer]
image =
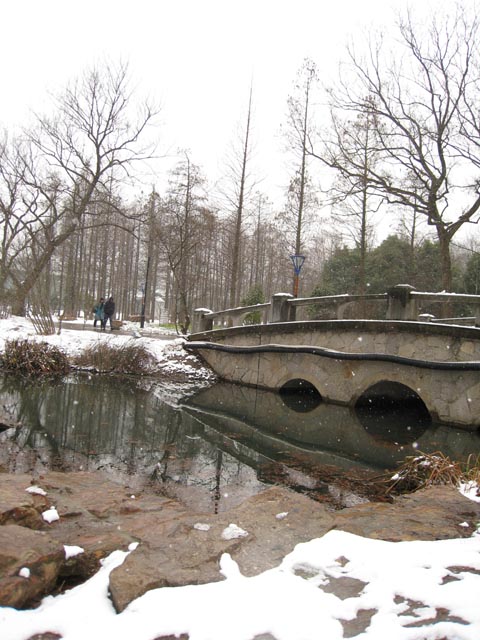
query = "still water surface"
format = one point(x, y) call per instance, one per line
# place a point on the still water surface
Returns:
point(211, 448)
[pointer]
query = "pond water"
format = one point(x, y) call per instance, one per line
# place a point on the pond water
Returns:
point(210, 448)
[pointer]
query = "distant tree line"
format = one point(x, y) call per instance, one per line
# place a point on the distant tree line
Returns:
point(394, 143)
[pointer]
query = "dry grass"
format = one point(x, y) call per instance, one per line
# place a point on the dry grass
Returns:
point(472, 469)
point(130, 358)
point(425, 470)
point(33, 358)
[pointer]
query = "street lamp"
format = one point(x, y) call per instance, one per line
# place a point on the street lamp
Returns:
point(297, 266)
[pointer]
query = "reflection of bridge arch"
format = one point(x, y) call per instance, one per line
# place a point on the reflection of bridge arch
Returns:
point(329, 434)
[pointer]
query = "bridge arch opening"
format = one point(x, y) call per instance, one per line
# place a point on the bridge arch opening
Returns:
point(391, 411)
point(300, 395)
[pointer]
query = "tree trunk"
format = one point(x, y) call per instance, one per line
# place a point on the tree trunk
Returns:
point(446, 265)
point(237, 234)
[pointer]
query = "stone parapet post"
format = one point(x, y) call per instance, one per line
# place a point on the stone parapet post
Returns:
point(401, 305)
point(280, 309)
point(200, 323)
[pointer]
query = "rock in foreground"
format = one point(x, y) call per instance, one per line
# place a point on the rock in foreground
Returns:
point(177, 546)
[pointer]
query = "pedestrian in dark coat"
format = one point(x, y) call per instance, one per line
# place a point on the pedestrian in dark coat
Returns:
point(109, 312)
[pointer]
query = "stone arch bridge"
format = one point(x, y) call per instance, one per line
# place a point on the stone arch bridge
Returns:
point(344, 360)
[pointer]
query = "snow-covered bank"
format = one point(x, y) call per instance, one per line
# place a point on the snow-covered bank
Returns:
point(168, 352)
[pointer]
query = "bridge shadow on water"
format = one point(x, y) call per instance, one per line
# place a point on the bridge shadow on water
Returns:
point(378, 434)
point(296, 439)
point(219, 445)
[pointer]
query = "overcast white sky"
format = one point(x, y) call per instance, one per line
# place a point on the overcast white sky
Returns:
point(195, 57)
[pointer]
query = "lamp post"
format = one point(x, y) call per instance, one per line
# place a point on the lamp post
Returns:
point(298, 261)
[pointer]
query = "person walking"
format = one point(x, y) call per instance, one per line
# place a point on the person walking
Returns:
point(109, 312)
point(98, 311)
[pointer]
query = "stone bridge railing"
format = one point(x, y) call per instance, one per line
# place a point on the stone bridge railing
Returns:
point(403, 302)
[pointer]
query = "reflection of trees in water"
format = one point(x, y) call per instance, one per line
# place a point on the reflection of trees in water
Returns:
point(160, 473)
point(26, 400)
point(93, 423)
point(214, 477)
point(87, 422)
point(218, 480)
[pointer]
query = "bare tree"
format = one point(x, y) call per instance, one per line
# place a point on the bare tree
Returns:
point(239, 178)
point(298, 132)
point(423, 98)
point(177, 232)
point(51, 179)
point(352, 151)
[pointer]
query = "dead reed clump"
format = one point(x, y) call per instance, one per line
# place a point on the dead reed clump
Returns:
point(472, 470)
point(425, 470)
point(130, 358)
point(33, 358)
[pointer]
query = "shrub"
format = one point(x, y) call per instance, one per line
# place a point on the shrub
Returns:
point(130, 358)
point(254, 296)
point(33, 358)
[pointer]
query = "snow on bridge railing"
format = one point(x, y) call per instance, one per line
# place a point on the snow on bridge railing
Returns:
point(443, 296)
point(403, 303)
point(339, 302)
point(336, 299)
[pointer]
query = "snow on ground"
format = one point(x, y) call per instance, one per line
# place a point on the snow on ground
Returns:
point(410, 590)
point(403, 584)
